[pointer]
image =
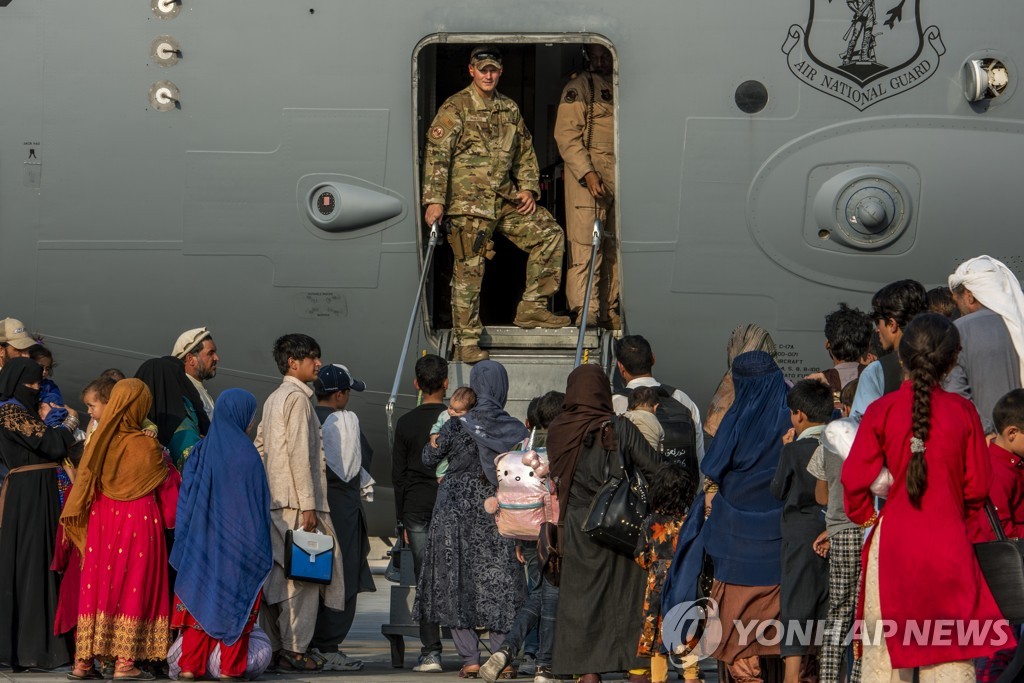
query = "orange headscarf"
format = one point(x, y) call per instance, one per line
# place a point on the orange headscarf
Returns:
point(120, 461)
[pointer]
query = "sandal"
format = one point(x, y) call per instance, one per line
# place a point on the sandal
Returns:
point(293, 661)
point(467, 672)
point(90, 674)
point(141, 676)
point(508, 673)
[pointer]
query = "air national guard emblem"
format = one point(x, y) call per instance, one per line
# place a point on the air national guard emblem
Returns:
point(863, 51)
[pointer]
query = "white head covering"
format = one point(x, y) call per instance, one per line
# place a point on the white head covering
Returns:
point(839, 434)
point(997, 289)
point(187, 341)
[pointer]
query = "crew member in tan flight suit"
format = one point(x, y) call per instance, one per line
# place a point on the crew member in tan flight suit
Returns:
point(480, 168)
point(585, 135)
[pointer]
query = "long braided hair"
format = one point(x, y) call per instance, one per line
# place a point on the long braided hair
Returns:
point(928, 350)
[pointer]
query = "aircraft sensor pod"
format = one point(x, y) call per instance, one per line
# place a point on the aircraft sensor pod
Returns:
point(984, 79)
point(864, 208)
point(336, 207)
point(164, 95)
point(166, 9)
point(165, 50)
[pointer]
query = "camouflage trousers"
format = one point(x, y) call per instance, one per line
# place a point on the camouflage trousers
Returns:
point(539, 235)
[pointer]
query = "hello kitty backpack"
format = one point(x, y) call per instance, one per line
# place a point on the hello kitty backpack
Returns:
point(526, 497)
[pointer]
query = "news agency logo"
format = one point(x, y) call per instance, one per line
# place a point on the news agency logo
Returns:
point(691, 630)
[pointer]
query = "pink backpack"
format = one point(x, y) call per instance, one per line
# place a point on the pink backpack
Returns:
point(525, 500)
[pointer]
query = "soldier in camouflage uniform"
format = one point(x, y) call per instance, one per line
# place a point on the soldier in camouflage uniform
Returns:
point(481, 169)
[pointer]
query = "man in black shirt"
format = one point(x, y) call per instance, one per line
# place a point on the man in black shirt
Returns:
point(416, 485)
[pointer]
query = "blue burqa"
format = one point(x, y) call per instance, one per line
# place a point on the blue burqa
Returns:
point(222, 540)
point(743, 535)
point(494, 430)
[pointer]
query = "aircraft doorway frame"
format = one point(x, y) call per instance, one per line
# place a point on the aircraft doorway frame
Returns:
point(422, 116)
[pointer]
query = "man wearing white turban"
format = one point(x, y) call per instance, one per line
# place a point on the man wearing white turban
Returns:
point(991, 360)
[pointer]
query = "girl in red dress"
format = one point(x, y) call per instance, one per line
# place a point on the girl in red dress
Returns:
point(920, 575)
point(123, 499)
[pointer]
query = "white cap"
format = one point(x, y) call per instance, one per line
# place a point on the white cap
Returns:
point(188, 341)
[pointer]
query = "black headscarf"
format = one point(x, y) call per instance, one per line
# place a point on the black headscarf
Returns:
point(166, 380)
point(16, 373)
point(587, 406)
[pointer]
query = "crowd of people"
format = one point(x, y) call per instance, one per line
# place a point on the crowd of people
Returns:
point(916, 423)
point(162, 516)
point(156, 534)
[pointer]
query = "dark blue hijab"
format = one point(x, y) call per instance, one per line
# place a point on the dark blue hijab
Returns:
point(222, 540)
point(743, 534)
point(494, 430)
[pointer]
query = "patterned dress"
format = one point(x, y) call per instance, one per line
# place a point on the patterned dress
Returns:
point(655, 551)
point(124, 602)
point(470, 576)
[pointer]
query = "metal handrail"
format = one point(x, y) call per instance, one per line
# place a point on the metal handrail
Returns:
point(585, 311)
point(389, 408)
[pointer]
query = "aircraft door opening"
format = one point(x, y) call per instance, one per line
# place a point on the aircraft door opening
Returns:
point(535, 71)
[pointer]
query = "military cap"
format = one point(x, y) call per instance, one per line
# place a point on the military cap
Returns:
point(485, 55)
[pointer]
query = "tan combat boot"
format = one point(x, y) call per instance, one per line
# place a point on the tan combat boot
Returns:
point(469, 353)
point(532, 314)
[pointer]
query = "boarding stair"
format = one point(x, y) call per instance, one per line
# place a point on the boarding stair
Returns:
point(537, 361)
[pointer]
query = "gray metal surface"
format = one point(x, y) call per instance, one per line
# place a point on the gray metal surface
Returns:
point(122, 226)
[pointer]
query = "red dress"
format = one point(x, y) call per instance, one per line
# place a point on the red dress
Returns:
point(197, 646)
point(68, 561)
point(125, 604)
point(1007, 494)
point(927, 570)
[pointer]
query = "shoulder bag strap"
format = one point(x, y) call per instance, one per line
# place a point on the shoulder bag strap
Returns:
point(630, 472)
point(993, 518)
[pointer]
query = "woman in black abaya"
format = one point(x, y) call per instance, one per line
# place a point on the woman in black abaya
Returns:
point(30, 512)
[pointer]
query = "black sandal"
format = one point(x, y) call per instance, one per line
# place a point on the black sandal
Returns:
point(293, 661)
point(91, 674)
point(141, 676)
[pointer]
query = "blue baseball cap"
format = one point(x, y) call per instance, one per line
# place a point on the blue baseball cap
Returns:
point(333, 378)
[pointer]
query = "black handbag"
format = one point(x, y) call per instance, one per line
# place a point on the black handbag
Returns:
point(1002, 564)
point(617, 513)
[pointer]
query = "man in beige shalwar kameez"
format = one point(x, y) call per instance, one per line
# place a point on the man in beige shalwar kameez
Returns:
point(288, 440)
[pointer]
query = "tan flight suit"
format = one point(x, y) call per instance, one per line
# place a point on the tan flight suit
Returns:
point(572, 134)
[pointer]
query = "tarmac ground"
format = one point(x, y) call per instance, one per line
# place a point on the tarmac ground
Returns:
point(364, 642)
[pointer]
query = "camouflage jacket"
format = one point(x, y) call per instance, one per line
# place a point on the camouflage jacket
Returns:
point(478, 156)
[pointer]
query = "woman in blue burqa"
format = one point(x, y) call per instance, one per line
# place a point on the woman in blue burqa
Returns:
point(470, 577)
point(222, 541)
point(736, 523)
